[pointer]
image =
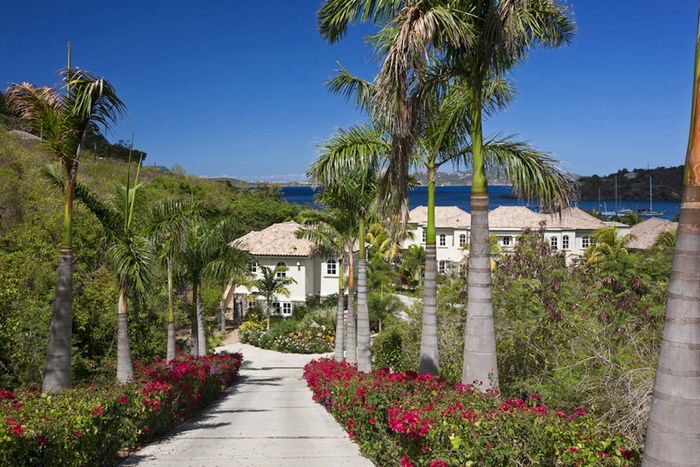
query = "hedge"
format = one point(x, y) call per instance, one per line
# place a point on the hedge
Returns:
point(411, 420)
point(93, 425)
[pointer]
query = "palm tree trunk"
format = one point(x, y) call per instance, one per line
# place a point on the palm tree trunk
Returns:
point(268, 304)
point(222, 312)
point(429, 356)
point(364, 358)
point(57, 372)
point(351, 339)
point(339, 325)
point(125, 371)
point(193, 317)
point(171, 315)
point(480, 367)
point(201, 330)
point(673, 433)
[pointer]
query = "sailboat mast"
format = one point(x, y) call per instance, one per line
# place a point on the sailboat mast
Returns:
point(650, 193)
point(616, 207)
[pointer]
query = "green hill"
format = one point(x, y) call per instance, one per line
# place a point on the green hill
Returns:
point(634, 185)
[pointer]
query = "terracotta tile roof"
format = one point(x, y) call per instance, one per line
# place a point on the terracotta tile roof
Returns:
point(573, 219)
point(276, 240)
point(514, 217)
point(645, 234)
point(445, 217)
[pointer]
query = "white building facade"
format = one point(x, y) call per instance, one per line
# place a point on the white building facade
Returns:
point(569, 232)
point(277, 245)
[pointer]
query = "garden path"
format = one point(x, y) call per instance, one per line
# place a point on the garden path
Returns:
point(267, 418)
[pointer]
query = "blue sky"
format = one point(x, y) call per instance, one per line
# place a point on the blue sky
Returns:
point(236, 88)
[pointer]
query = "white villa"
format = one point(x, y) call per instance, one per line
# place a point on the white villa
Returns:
point(569, 232)
point(314, 274)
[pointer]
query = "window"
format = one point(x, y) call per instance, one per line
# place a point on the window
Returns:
point(332, 267)
point(276, 307)
point(287, 309)
point(462, 240)
point(506, 241)
point(443, 240)
point(586, 241)
point(554, 241)
point(253, 267)
point(282, 271)
point(425, 235)
point(442, 267)
point(565, 242)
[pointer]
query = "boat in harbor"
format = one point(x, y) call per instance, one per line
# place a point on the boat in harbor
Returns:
point(650, 212)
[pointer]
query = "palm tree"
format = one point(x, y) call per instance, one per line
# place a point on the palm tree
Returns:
point(64, 120)
point(674, 426)
point(167, 225)
point(274, 282)
point(332, 231)
point(206, 253)
point(666, 240)
point(348, 171)
point(503, 32)
point(130, 254)
point(412, 265)
point(607, 244)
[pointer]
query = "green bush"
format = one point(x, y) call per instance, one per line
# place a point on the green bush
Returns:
point(388, 350)
point(289, 335)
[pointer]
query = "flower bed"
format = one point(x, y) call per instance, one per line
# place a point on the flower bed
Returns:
point(410, 420)
point(90, 426)
point(284, 340)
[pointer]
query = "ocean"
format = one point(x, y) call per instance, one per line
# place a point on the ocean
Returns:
point(498, 196)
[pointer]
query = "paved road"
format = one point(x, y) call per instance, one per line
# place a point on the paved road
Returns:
point(266, 419)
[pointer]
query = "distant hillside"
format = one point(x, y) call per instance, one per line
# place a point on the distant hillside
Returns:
point(634, 185)
point(457, 178)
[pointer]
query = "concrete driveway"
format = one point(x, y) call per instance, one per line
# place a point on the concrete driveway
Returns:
point(266, 419)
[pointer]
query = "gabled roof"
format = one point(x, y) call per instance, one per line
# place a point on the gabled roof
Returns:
point(445, 217)
point(573, 219)
point(514, 217)
point(276, 240)
point(645, 234)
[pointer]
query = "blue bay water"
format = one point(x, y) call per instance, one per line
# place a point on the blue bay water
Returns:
point(498, 196)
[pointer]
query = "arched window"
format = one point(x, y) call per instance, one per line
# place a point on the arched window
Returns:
point(586, 241)
point(565, 242)
point(253, 267)
point(332, 267)
point(442, 267)
point(443, 240)
point(462, 240)
point(282, 270)
point(506, 241)
point(554, 241)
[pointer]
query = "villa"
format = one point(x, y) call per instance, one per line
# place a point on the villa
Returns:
point(277, 245)
point(569, 232)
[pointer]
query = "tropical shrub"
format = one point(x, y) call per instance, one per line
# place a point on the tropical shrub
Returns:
point(290, 336)
point(90, 425)
point(410, 420)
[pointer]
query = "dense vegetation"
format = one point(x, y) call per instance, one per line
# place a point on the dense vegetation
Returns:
point(96, 424)
point(30, 220)
point(667, 184)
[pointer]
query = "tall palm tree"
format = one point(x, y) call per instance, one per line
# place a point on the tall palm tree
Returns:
point(206, 253)
point(674, 425)
point(130, 253)
point(348, 171)
point(273, 282)
point(504, 31)
point(167, 224)
point(64, 119)
point(332, 230)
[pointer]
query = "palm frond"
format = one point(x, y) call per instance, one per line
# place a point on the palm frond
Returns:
point(335, 16)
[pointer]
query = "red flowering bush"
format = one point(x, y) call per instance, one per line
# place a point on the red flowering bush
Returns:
point(411, 420)
point(90, 425)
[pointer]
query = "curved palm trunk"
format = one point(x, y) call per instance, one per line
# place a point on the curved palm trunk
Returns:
point(351, 340)
point(201, 330)
point(222, 312)
point(673, 433)
point(480, 366)
point(125, 371)
point(364, 358)
point(171, 315)
point(57, 372)
point(339, 325)
point(193, 317)
point(429, 356)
